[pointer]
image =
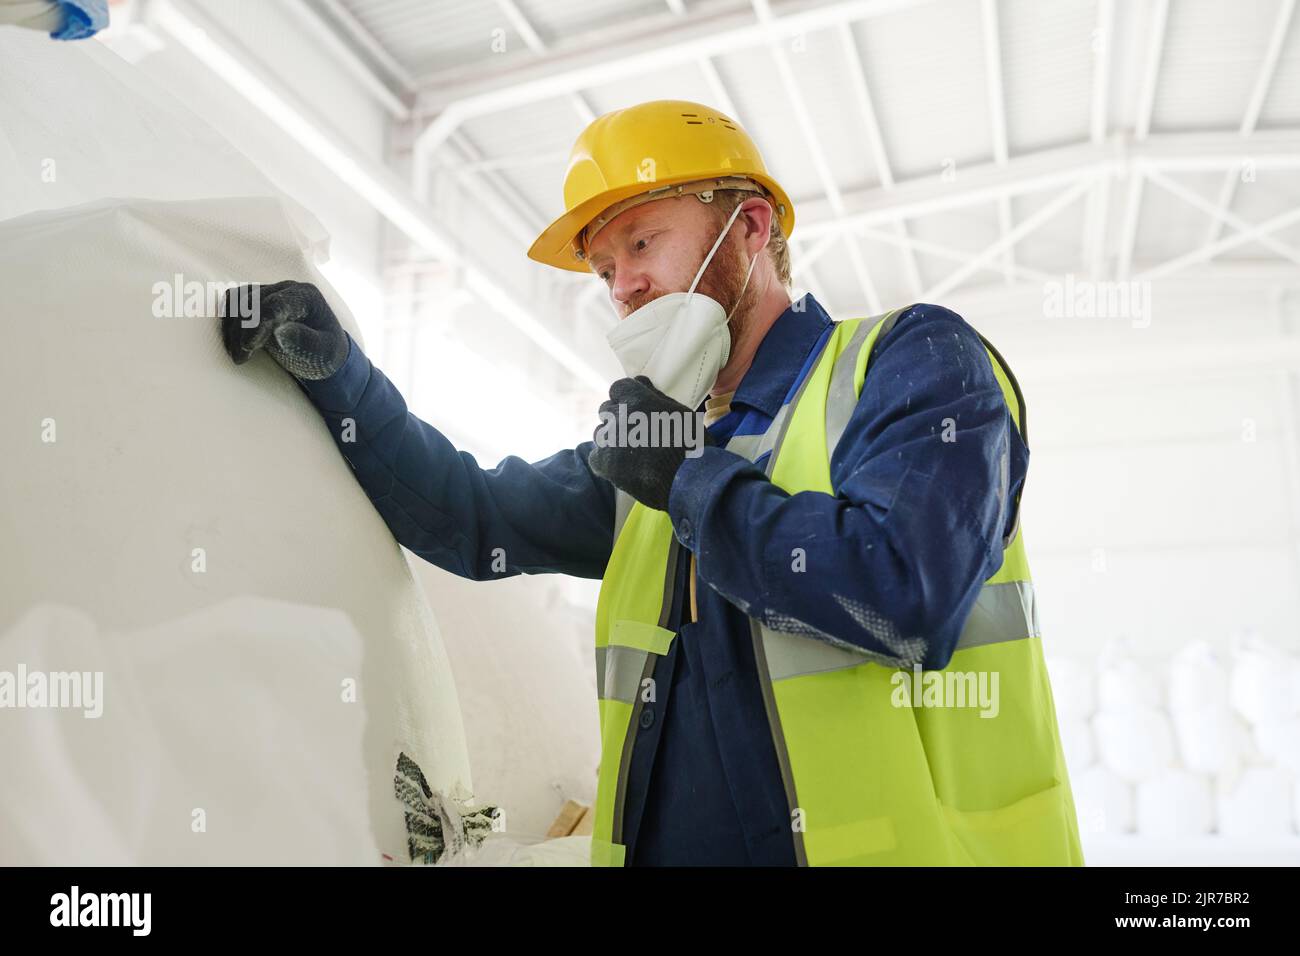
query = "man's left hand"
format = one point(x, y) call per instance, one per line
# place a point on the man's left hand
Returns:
point(646, 469)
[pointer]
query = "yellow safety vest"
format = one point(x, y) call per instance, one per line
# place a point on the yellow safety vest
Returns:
point(869, 780)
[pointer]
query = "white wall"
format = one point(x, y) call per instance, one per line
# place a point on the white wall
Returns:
point(1161, 497)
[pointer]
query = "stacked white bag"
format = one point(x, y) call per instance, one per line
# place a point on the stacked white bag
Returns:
point(1260, 801)
point(1218, 754)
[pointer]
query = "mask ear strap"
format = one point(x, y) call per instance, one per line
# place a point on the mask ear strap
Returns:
point(748, 273)
point(709, 258)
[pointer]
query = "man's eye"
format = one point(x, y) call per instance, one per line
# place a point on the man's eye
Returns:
point(604, 275)
point(641, 244)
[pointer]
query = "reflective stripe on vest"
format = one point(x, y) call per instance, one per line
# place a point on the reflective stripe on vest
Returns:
point(868, 780)
point(1002, 612)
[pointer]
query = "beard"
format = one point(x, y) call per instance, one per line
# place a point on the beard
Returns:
point(724, 282)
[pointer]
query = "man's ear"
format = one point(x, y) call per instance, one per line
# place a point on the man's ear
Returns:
point(757, 214)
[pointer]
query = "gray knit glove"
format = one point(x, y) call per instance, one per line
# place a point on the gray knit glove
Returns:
point(644, 471)
point(292, 321)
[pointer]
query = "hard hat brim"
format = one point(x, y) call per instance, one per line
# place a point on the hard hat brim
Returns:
point(554, 247)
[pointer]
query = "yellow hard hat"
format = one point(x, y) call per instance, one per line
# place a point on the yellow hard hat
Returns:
point(652, 151)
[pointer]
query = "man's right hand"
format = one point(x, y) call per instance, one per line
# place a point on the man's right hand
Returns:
point(292, 321)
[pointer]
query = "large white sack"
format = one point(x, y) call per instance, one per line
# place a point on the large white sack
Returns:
point(1212, 741)
point(1077, 743)
point(1262, 685)
point(1175, 804)
point(1074, 687)
point(137, 773)
point(164, 451)
point(1257, 803)
point(1277, 740)
point(1104, 802)
point(1198, 680)
point(1125, 684)
point(1136, 745)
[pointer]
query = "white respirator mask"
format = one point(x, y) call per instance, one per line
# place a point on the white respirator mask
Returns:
point(679, 340)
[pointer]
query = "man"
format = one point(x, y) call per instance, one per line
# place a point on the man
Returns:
point(816, 637)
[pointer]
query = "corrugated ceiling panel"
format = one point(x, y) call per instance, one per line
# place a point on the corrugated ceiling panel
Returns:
point(1168, 226)
point(426, 36)
point(1213, 50)
point(678, 83)
point(545, 129)
point(1047, 71)
point(822, 68)
point(925, 71)
point(1272, 193)
point(970, 229)
point(767, 115)
point(557, 20)
point(885, 264)
point(1282, 106)
point(1055, 246)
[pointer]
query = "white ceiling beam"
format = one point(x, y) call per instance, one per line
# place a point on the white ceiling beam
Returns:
point(1048, 169)
point(1146, 99)
point(876, 146)
point(344, 54)
point(366, 40)
point(1101, 69)
point(1220, 214)
point(370, 180)
point(513, 161)
point(533, 40)
point(1252, 234)
point(804, 255)
point(1031, 223)
point(1128, 228)
point(812, 142)
point(520, 22)
point(697, 37)
point(1263, 83)
point(814, 284)
point(1095, 223)
point(939, 251)
point(1093, 241)
point(513, 211)
point(866, 107)
point(721, 95)
point(997, 119)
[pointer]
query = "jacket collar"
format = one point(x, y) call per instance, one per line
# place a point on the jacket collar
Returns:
point(780, 356)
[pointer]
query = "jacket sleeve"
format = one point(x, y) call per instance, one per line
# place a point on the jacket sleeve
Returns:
point(892, 562)
point(553, 515)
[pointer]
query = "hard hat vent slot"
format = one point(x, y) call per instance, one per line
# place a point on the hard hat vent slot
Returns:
point(693, 119)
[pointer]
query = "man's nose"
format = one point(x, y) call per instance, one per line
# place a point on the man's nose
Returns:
point(629, 288)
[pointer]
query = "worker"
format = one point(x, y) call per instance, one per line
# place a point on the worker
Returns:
point(792, 605)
